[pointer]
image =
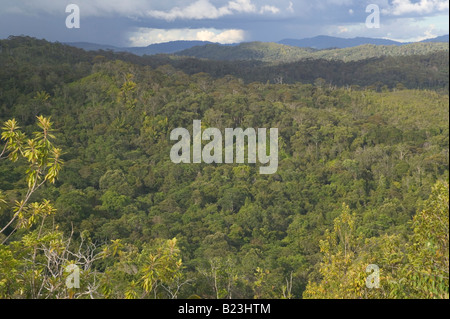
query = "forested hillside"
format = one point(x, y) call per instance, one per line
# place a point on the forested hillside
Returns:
point(86, 177)
point(279, 53)
point(414, 72)
point(429, 71)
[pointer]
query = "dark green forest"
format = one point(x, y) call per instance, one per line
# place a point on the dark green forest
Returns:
point(86, 178)
point(278, 53)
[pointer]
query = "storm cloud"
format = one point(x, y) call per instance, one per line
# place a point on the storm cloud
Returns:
point(143, 22)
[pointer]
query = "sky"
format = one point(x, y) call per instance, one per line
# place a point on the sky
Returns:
point(144, 22)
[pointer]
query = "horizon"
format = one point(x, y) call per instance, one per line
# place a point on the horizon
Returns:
point(236, 43)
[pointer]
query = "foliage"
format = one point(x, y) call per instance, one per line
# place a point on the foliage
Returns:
point(414, 268)
point(279, 53)
point(139, 226)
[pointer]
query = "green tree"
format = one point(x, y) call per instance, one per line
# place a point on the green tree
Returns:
point(44, 163)
point(415, 268)
point(427, 267)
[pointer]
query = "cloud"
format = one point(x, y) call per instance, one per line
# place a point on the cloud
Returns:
point(145, 36)
point(402, 7)
point(223, 36)
point(204, 9)
point(427, 31)
point(398, 29)
point(429, 34)
point(242, 6)
point(166, 10)
point(114, 21)
point(291, 7)
point(94, 8)
point(201, 9)
point(340, 2)
point(270, 9)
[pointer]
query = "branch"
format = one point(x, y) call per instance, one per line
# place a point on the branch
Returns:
point(3, 151)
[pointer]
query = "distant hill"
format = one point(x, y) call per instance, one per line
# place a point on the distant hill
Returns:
point(443, 38)
point(166, 48)
point(412, 69)
point(160, 48)
point(279, 53)
point(287, 50)
point(327, 42)
point(260, 51)
point(369, 51)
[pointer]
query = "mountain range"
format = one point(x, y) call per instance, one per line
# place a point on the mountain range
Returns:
point(327, 42)
point(279, 53)
point(318, 43)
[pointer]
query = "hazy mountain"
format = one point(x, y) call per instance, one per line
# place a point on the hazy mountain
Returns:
point(287, 50)
point(326, 42)
point(168, 47)
point(160, 48)
point(443, 38)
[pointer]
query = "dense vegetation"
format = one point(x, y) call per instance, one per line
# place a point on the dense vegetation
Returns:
point(362, 179)
point(413, 72)
point(426, 71)
point(279, 53)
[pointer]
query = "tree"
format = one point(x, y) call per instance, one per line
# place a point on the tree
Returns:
point(427, 267)
point(341, 273)
point(34, 266)
point(127, 92)
point(44, 163)
point(415, 268)
point(156, 271)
